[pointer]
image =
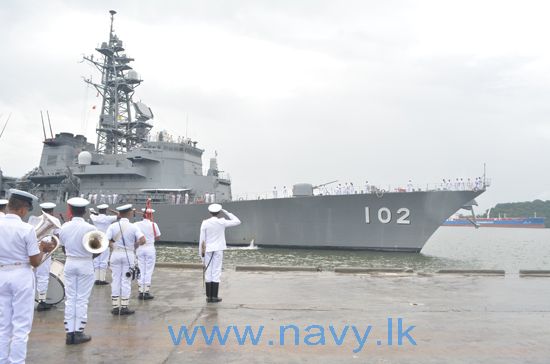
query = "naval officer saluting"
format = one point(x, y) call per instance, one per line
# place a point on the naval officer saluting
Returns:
point(102, 221)
point(211, 246)
point(42, 273)
point(124, 237)
point(78, 271)
point(3, 205)
point(19, 249)
point(146, 253)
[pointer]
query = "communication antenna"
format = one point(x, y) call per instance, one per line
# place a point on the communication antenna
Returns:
point(5, 124)
point(43, 127)
point(49, 122)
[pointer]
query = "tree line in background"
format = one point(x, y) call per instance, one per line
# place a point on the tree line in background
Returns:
point(521, 209)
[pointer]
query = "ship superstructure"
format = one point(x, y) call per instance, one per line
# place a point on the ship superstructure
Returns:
point(127, 163)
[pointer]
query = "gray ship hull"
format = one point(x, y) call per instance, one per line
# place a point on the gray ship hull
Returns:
point(388, 222)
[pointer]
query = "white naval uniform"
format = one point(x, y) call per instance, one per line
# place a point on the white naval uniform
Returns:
point(213, 234)
point(17, 244)
point(102, 223)
point(122, 257)
point(146, 253)
point(42, 272)
point(78, 272)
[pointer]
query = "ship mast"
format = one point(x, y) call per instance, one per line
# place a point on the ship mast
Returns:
point(117, 131)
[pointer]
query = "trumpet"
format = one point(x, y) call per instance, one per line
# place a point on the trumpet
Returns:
point(44, 230)
point(95, 242)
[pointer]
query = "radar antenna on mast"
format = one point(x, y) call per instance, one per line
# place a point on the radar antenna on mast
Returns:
point(118, 130)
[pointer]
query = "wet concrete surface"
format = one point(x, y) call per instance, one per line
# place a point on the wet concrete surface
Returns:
point(457, 319)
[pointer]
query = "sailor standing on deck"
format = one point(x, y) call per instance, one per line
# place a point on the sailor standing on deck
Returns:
point(146, 253)
point(42, 272)
point(78, 272)
point(3, 205)
point(19, 250)
point(102, 221)
point(124, 237)
point(211, 247)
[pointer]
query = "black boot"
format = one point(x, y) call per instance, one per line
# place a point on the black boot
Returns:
point(43, 306)
point(126, 311)
point(69, 340)
point(148, 296)
point(141, 296)
point(80, 337)
point(97, 282)
point(208, 291)
point(215, 287)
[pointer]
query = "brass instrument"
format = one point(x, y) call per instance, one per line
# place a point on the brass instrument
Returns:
point(44, 231)
point(95, 242)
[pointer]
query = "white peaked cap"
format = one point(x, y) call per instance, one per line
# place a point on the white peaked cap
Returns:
point(48, 205)
point(22, 195)
point(124, 207)
point(3, 202)
point(78, 202)
point(215, 207)
point(103, 206)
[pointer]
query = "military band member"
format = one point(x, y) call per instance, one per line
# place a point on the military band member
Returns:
point(19, 250)
point(42, 273)
point(3, 205)
point(102, 221)
point(78, 272)
point(124, 237)
point(146, 253)
point(211, 246)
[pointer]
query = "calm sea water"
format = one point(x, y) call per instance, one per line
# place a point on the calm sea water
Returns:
point(449, 247)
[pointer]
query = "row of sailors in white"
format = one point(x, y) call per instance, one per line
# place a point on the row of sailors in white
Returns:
point(176, 199)
point(19, 250)
point(101, 198)
point(461, 184)
point(284, 192)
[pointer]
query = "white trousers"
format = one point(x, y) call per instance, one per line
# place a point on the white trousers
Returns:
point(16, 313)
point(102, 260)
point(121, 286)
point(146, 255)
point(79, 280)
point(213, 261)
point(43, 276)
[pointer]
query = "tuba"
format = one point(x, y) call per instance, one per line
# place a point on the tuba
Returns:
point(44, 230)
point(95, 242)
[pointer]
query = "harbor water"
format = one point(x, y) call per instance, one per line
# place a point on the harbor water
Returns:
point(448, 248)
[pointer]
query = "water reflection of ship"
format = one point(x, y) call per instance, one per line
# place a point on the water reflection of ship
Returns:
point(130, 164)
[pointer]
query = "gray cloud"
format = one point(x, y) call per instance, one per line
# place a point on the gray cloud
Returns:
point(312, 91)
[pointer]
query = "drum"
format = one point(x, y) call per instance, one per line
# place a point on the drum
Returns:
point(56, 286)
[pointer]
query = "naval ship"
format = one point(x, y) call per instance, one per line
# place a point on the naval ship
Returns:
point(130, 164)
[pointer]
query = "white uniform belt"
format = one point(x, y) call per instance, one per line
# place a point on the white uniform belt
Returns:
point(14, 265)
point(119, 249)
point(69, 257)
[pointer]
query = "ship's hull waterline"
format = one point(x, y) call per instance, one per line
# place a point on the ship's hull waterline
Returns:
point(386, 222)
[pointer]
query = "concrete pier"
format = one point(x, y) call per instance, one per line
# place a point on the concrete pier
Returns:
point(457, 319)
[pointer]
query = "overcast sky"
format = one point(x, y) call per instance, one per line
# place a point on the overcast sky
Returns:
point(303, 91)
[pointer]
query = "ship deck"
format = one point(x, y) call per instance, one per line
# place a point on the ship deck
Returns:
point(457, 319)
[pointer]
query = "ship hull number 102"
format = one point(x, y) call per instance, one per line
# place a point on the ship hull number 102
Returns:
point(385, 216)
